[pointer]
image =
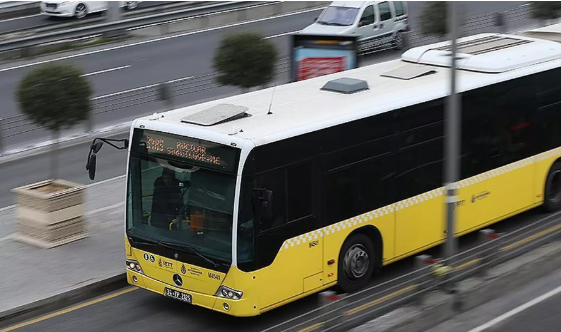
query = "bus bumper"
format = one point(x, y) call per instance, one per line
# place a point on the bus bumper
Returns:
point(238, 308)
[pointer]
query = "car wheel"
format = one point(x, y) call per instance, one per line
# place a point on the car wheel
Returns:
point(80, 11)
point(356, 263)
point(552, 195)
point(131, 5)
point(398, 41)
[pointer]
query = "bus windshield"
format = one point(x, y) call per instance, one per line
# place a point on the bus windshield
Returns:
point(171, 200)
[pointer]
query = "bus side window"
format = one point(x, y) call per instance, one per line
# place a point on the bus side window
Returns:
point(299, 189)
point(358, 188)
point(479, 139)
point(420, 147)
point(515, 110)
point(549, 108)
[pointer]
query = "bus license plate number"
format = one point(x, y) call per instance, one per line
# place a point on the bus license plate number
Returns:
point(178, 295)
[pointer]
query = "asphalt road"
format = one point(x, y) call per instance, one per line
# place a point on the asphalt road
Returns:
point(141, 310)
point(534, 307)
point(145, 64)
point(39, 20)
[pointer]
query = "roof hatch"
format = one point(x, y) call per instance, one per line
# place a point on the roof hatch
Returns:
point(216, 114)
point(345, 85)
point(487, 53)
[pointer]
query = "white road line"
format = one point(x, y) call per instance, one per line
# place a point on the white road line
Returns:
point(160, 39)
point(281, 34)
point(19, 18)
point(517, 310)
point(139, 88)
point(7, 208)
point(106, 70)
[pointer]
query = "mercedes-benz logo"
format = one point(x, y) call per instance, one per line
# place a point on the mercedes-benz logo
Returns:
point(177, 279)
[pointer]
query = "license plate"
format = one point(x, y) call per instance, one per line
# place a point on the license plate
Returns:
point(184, 297)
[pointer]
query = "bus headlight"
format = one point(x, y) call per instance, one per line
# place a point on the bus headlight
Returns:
point(228, 293)
point(133, 265)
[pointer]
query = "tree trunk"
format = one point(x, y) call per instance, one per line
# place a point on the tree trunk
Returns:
point(54, 154)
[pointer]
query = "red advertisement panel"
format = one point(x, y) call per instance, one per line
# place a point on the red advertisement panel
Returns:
point(314, 67)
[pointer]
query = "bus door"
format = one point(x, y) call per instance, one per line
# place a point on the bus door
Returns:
point(289, 245)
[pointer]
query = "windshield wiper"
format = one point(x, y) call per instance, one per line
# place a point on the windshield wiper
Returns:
point(142, 242)
point(189, 249)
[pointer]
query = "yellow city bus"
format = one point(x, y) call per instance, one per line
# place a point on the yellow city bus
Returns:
point(247, 203)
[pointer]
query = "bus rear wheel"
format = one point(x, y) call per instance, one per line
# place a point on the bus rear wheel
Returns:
point(552, 195)
point(356, 263)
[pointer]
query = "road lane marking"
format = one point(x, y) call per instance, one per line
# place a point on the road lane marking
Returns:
point(467, 264)
point(160, 39)
point(19, 18)
point(70, 309)
point(140, 88)
point(530, 238)
point(106, 70)
point(516, 310)
point(281, 34)
point(381, 299)
point(311, 328)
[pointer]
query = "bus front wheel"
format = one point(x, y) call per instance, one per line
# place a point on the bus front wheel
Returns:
point(356, 263)
point(552, 195)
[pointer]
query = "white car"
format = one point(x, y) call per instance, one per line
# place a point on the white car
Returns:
point(79, 9)
point(375, 23)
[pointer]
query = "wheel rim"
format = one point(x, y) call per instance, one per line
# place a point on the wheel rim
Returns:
point(132, 4)
point(356, 262)
point(81, 10)
point(554, 193)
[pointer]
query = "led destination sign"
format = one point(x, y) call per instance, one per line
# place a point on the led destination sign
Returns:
point(188, 150)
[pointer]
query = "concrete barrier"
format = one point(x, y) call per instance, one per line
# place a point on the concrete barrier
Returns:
point(500, 280)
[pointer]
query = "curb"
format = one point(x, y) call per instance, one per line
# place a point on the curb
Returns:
point(439, 306)
point(57, 302)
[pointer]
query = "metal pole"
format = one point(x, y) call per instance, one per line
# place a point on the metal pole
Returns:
point(452, 139)
point(113, 11)
point(113, 14)
point(1, 138)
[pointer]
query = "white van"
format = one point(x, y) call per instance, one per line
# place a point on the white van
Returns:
point(376, 23)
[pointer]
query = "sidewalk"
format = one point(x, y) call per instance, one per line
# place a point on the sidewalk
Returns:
point(30, 274)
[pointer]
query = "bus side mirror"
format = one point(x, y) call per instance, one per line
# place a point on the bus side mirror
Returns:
point(96, 146)
point(264, 200)
point(92, 158)
point(91, 164)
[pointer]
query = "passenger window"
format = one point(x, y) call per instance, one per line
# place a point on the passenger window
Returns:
point(399, 10)
point(299, 187)
point(385, 12)
point(367, 17)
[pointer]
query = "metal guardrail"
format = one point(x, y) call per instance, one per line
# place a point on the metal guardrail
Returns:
point(126, 24)
point(54, 25)
point(344, 312)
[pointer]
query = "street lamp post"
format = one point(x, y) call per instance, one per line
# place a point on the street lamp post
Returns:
point(452, 142)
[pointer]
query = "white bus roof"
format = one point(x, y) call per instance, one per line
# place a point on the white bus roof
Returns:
point(302, 107)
